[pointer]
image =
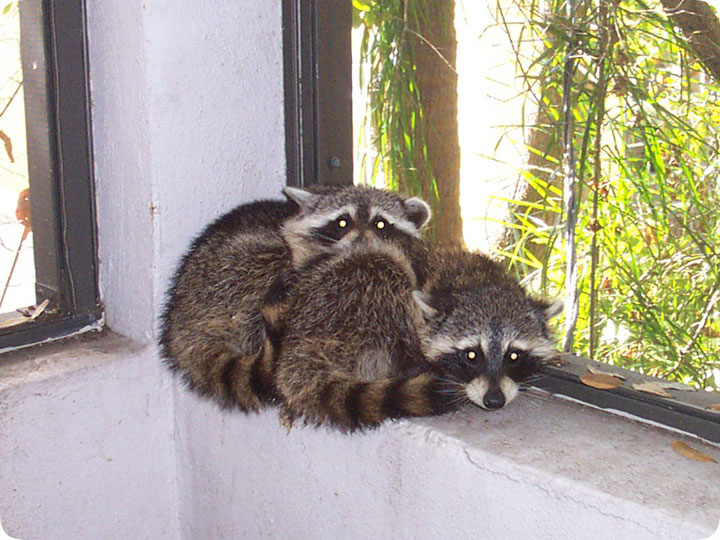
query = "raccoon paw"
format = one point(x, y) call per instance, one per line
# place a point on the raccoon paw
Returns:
point(286, 418)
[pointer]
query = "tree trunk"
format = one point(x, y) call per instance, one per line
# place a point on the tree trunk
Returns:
point(545, 139)
point(434, 44)
point(701, 28)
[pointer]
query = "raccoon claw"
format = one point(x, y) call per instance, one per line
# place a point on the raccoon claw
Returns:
point(286, 418)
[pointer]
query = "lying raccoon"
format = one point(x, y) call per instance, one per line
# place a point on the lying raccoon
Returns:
point(222, 319)
point(363, 345)
point(486, 335)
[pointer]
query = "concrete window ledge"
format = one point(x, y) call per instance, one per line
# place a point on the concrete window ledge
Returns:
point(86, 442)
point(542, 468)
point(97, 441)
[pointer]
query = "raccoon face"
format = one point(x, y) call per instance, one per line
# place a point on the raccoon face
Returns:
point(486, 342)
point(333, 220)
point(489, 375)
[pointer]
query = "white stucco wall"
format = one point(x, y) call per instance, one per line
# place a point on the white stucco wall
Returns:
point(97, 441)
point(87, 444)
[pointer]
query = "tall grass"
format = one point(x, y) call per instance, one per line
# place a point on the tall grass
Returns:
point(645, 130)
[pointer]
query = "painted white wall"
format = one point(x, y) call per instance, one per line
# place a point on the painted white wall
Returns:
point(87, 444)
point(97, 441)
point(540, 469)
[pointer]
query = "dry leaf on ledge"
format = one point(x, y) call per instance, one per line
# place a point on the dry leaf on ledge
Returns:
point(596, 371)
point(689, 452)
point(715, 407)
point(652, 388)
point(670, 385)
point(601, 381)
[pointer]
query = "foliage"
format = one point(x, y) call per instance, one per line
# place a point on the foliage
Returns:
point(394, 109)
point(648, 230)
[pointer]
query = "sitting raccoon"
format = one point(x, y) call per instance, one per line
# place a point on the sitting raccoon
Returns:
point(223, 316)
point(363, 345)
point(351, 355)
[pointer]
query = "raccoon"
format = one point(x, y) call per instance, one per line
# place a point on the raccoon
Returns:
point(351, 355)
point(364, 345)
point(486, 336)
point(223, 317)
point(213, 332)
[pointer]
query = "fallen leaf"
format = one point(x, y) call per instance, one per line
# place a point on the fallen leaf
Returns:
point(601, 381)
point(689, 452)
point(39, 309)
point(8, 145)
point(669, 385)
point(597, 371)
point(715, 407)
point(651, 388)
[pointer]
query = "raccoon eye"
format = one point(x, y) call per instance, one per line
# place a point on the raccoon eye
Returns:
point(513, 356)
point(471, 355)
point(380, 224)
point(342, 222)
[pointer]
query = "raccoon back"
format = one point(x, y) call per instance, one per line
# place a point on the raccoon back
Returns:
point(212, 331)
point(351, 355)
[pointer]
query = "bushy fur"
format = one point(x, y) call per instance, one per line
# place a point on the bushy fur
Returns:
point(352, 353)
point(330, 303)
point(364, 345)
point(212, 331)
point(225, 310)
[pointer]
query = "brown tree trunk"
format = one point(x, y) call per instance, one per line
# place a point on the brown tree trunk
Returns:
point(701, 28)
point(545, 139)
point(434, 45)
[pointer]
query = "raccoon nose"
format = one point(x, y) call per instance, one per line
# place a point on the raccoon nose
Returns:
point(494, 399)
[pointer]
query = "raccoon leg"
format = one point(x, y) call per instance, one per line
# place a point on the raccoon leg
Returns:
point(276, 302)
point(286, 418)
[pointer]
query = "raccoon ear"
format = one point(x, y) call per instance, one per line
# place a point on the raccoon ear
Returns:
point(423, 301)
point(418, 211)
point(552, 309)
point(303, 198)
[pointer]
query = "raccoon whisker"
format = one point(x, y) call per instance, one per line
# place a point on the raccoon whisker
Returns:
point(320, 236)
point(451, 382)
point(533, 379)
point(462, 399)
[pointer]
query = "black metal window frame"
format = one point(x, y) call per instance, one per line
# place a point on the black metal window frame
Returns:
point(55, 82)
point(318, 112)
point(318, 91)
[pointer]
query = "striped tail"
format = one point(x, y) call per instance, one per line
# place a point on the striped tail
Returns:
point(232, 380)
point(347, 404)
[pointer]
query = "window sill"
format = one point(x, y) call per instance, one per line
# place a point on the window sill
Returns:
point(53, 359)
point(98, 413)
point(617, 465)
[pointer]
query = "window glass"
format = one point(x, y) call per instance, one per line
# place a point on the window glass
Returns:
point(17, 268)
point(490, 111)
point(47, 223)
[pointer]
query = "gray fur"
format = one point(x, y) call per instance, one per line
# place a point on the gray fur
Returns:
point(226, 303)
point(478, 307)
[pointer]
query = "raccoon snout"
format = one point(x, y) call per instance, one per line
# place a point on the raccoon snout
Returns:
point(491, 395)
point(494, 399)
